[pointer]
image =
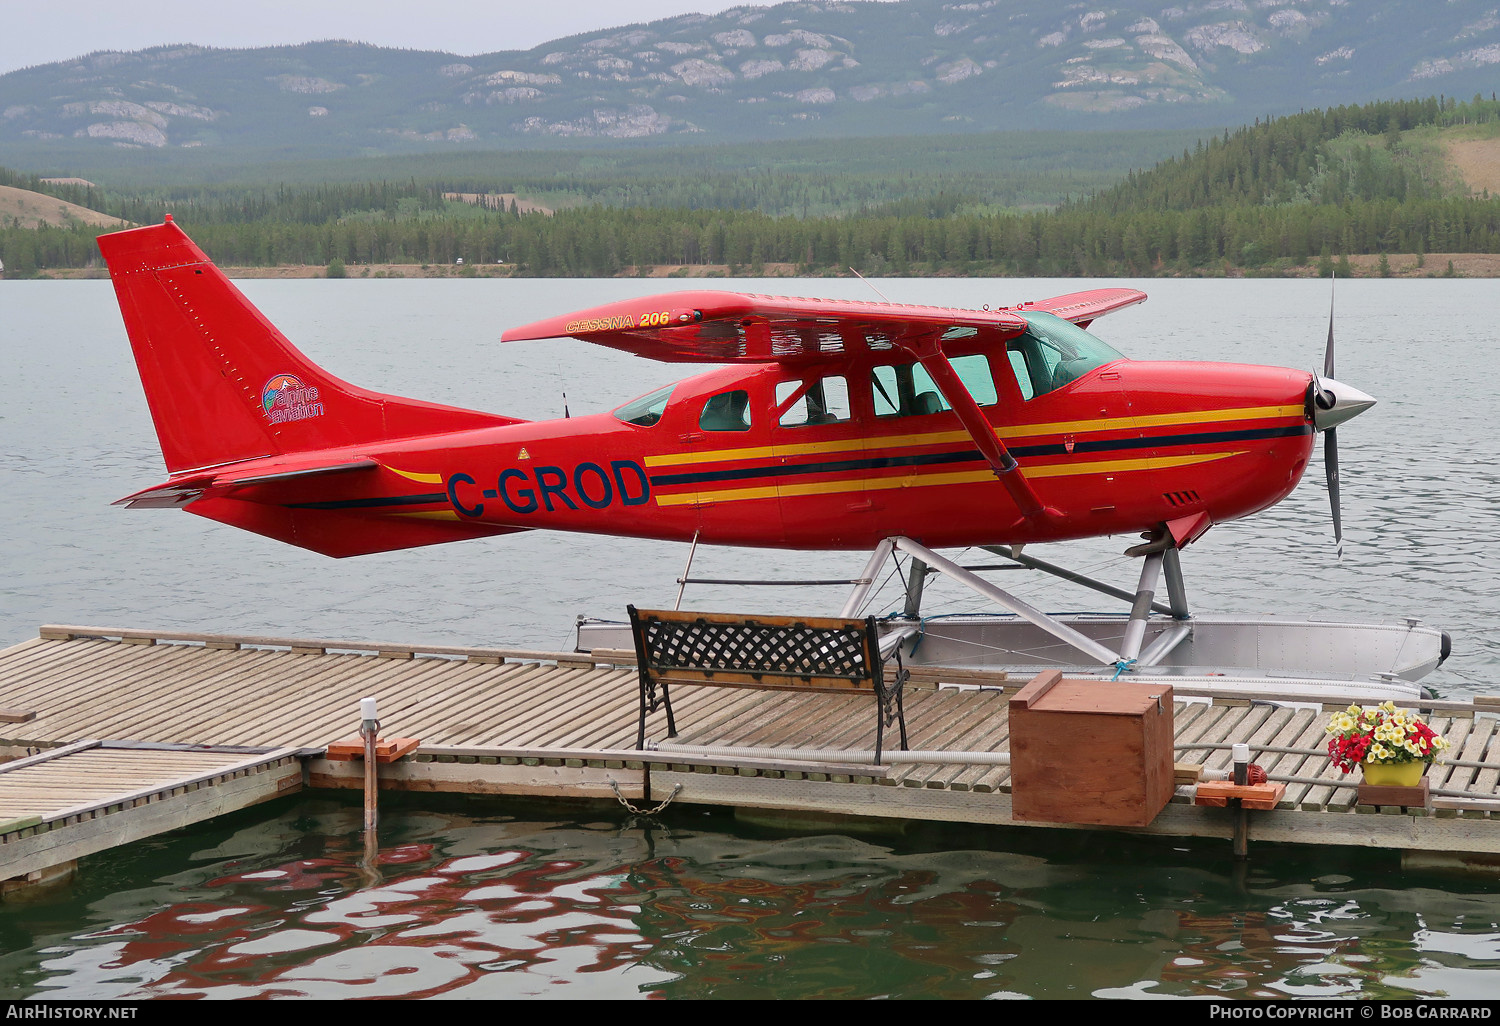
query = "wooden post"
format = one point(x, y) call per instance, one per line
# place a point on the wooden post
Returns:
point(369, 730)
point(1241, 757)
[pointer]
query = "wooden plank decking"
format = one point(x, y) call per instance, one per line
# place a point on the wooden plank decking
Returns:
point(503, 721)
point(87, 797)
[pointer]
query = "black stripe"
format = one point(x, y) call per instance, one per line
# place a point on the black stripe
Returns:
point(1197, 438)
point(391, 500)
point(794, 469)
point(875, 463)
point(972, 455)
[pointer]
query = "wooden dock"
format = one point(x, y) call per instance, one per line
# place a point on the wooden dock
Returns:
point(195, 725)
point(88, 797)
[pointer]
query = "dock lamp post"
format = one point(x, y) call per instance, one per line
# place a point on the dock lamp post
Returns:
point(369, 731)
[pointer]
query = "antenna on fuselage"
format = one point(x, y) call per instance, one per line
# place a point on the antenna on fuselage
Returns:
point(867, 282)
point(566, 414)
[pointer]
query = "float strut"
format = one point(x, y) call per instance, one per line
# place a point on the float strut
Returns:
point(916, 577)
point(1140, 610)
point(682, 582)
point(1176, 590)
point(1088, 646)
point(867, 578)
point(1063, 573)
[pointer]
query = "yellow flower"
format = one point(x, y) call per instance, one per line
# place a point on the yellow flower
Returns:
point(1340, 723)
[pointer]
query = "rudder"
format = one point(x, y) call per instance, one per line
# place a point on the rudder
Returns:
point(223, 383)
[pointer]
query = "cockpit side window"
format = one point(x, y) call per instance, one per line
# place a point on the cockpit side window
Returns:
point(1053, 352)
point(813, 401)
point(906, 390)
point(727, 411)
point(646, 410)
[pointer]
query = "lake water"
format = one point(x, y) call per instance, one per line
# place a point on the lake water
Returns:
point(506, 900)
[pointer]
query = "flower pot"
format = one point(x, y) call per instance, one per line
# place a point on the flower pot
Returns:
point(1396, 774)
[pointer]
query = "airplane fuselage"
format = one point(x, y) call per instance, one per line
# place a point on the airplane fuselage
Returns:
point(1122, 449)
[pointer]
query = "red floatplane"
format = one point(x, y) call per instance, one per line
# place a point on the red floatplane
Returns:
point(827, 424)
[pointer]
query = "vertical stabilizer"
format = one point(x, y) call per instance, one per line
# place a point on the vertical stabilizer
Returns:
point(223, 383)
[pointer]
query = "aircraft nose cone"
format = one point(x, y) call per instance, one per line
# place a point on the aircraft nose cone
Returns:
point(1334, 402)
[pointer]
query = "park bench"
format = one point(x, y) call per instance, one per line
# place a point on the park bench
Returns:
point(772, 653)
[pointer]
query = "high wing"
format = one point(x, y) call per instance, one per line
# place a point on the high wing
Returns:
point(735, 327)
point(1083, 307)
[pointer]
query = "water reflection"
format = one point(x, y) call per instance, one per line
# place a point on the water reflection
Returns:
point(507, 906)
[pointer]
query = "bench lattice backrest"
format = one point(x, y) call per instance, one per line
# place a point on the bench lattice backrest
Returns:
point(772, 653)
point(767, 652)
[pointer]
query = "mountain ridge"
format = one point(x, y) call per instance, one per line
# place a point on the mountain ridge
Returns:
point(793, 70)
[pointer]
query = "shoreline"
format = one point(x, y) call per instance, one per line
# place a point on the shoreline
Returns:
point(1364, 265)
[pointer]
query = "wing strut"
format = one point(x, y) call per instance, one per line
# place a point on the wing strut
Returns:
point(929, 352)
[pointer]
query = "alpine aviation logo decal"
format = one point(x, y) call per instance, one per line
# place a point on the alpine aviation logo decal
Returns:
point(286, 398)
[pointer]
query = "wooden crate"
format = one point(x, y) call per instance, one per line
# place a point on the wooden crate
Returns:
point(1091, 752)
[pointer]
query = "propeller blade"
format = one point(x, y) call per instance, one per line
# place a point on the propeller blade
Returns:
point(1328, 352)
point(1331, 468)
point(1330, 440)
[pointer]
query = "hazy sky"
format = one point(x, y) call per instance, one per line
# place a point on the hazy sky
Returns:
point(39, 33)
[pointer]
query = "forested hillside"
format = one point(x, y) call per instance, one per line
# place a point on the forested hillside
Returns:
point(1317, 185)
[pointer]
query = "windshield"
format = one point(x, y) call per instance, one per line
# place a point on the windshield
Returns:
point(646, 410)
point(1054, 352)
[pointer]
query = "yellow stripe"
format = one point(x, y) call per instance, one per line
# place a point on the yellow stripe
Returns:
point(1204, 417)
point(934, 480)
point(1122, 466)
point(438, 514)
point(711, 456)
point(424, 478)
point(1063, 427)
point(727, 495)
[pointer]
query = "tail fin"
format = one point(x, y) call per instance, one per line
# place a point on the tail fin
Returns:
point(222, 383)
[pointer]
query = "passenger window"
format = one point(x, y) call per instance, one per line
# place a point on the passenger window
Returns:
point(909, 391)
point(820, 401)
point(974, 372)
point(727, 411)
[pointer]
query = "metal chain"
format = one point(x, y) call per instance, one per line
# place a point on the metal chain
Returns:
point(676, 789)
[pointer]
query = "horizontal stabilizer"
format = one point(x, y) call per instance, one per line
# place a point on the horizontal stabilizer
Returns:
point(171, 495)
point(245, 480)
point(182, 490)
